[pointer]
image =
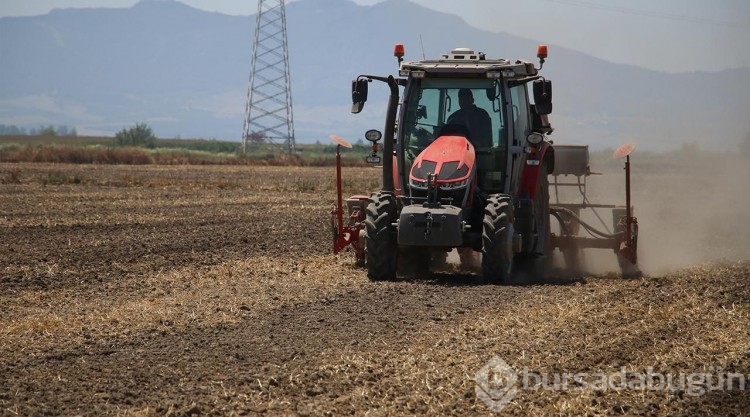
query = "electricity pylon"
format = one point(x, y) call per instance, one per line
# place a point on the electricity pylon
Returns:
point(268, 113)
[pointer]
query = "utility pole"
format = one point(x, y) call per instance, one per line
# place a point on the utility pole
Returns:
point(268, 112)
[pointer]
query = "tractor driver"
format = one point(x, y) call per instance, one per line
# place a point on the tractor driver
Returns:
point(476, 119)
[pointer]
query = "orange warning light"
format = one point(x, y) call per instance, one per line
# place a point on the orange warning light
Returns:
point(541, 51)
point(398, 50)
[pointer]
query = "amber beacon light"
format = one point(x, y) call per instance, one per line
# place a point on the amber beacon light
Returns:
point(398, 52)
point(541, 53)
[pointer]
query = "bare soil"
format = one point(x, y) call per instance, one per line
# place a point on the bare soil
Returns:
point(210, 290)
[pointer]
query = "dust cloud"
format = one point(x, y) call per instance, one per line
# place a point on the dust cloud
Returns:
point(691, 208)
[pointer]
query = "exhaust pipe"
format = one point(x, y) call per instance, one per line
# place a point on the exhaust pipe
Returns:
point(389, 135)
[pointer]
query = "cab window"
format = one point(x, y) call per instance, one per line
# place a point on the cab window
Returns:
point(520, 105)
point(432, 102)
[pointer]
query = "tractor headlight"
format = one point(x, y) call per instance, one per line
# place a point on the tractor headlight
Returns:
point(454, 185)
point(373, 135)
point(418, 184)
point(534, 138)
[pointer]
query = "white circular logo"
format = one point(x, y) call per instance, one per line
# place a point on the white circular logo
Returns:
point(496, 384)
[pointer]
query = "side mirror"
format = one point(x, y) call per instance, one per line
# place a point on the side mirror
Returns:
point(540, 122)
point(359, 94)
point(543, 96)
point(493, 93)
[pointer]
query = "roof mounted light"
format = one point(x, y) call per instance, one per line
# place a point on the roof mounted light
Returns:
point(417, 74)
point(541, 53)
point(398, 52)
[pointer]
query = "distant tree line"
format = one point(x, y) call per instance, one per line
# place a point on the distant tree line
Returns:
point(139, 135)
point(13, 130)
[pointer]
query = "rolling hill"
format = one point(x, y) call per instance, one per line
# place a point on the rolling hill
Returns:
point(185, 72)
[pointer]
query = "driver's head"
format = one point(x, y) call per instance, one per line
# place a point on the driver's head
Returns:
point(465, 98)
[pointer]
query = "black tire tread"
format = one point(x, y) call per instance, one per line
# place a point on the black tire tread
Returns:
point(497, 234)
point(380, 244)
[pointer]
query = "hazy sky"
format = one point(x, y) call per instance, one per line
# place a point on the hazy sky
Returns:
point(665, 35)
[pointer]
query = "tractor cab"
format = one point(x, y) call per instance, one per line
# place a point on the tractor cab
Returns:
point(466, 119)
point(433, 109)
point(465, 94)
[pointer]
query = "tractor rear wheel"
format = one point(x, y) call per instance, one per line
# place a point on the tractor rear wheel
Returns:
point(381, 247)
point(532, 266)
point(542, 253)
point(497, 239)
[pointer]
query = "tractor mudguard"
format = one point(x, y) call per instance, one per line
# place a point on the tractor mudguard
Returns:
point(532, 167)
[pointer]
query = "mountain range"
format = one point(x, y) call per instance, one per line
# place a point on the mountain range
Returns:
point(184, 71)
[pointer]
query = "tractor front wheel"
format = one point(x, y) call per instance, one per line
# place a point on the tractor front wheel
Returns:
point(497, 239)
point(381, 247)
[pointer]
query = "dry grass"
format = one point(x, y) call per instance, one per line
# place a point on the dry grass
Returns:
point(252, 178)
point(598, 327)
point(153, 290)
point(222, 294)
point(72, 152)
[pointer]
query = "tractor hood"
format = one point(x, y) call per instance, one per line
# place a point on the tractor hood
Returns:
point(451, 158)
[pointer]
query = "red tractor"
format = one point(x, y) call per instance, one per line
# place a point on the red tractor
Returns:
point(467, 165)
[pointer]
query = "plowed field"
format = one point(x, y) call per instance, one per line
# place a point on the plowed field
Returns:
point(143, 290)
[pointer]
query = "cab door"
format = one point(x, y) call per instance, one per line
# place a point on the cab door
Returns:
point(519, 129)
